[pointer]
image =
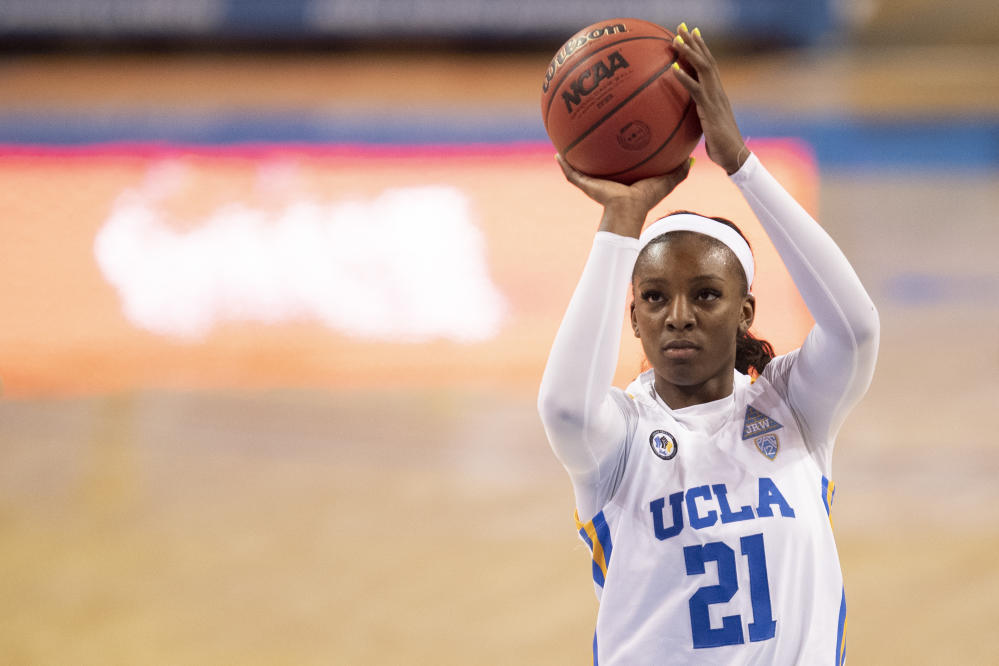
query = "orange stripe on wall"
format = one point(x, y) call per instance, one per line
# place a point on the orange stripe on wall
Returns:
point(64, 330)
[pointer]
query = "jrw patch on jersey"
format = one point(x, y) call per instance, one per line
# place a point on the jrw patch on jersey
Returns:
point(757, 423)
point(761, 428)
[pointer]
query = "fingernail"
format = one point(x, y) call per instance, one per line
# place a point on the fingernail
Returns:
point(678, 40)
point(697, 32)
point(692, 161)
point(682, 26)
point(676, 66)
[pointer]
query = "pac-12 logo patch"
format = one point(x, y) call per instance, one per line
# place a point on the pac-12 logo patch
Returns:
point(757, 423)
point(768, 445)
point(663, 444)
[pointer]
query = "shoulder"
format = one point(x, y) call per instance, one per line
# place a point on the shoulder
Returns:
point(639, 391)
point(762, 396)
point(778, 371)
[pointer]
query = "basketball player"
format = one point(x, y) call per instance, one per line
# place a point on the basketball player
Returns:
point(703, 493)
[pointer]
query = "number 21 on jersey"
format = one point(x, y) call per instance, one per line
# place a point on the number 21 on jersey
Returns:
point(763, 626)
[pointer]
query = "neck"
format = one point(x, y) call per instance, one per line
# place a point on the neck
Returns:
point(677, 397)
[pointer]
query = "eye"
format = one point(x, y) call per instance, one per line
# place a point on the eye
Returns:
point(708, 294)
point(652, 296)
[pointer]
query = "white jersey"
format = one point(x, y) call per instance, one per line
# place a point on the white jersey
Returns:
point(709, 525)
point(720, 514)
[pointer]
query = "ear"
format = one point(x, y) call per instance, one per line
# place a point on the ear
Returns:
point(634, 319)
point(748, 313)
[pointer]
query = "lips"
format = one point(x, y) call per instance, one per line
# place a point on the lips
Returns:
point(680, 350)
point(681, 344)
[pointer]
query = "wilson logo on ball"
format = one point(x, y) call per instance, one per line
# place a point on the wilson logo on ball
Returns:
point(588, 81)
point(613, 106)
point(574, 45)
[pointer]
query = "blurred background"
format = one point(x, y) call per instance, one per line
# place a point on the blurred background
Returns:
point(279, 280)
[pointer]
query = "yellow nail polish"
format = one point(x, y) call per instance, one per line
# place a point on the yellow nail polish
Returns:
point(682, 26)
point(692, 161)
point(676, 66)
point(697, 32)
point(678, 40)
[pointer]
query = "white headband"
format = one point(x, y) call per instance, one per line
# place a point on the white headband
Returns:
point(703, 225)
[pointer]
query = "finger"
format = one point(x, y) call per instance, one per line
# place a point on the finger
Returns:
point(589, 185)
point(697, 42)
point(692, 38)
point(571, 174)
point(660, 186)
point(561, 163)
point(689, 53)
point(687, 81)
point(675, 177)
point(686, 38)
point(679, 174)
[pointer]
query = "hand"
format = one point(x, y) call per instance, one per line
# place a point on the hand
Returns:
point(722, 138)
point(625, 206)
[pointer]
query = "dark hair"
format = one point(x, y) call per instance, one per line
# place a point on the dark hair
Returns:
point(750, 352)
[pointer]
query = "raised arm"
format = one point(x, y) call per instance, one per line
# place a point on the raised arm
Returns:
point(833, 368)
point(828, 375)
point(585, 424)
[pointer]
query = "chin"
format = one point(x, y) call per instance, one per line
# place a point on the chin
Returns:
point(691, 374)
point(682, 375)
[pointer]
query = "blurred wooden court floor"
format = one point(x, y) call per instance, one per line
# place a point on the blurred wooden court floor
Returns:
point(432, 525)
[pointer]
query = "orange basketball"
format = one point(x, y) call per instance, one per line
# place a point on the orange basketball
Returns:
point(613, 106)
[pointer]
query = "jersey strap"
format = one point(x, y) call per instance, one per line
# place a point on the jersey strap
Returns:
point(596, 535)
point(841, 632)
point(828, 494)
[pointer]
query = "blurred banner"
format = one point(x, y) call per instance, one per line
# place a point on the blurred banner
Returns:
point(137, 267)
point(775, 21)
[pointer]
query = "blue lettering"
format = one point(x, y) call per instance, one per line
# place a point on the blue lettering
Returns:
point(700, 517)
point(727, 516)
point(770, 496)
point(695, 520)
point(657, 506)
point(730, 633)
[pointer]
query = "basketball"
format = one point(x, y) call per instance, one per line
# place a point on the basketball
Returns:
point(612, 105)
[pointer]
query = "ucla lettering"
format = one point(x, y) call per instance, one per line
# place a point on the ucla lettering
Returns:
point(574, 45)
point(697, 521)
point(702, 502)
point(676, 504)
point(721, 492)
point(588, 81)
point(769, 497)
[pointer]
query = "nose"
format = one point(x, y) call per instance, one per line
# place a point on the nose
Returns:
point(679, 315)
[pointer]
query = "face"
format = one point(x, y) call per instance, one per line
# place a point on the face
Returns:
point(690, 305)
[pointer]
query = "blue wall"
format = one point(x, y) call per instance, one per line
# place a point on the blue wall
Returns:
point(776, 21)
point(839, 141)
